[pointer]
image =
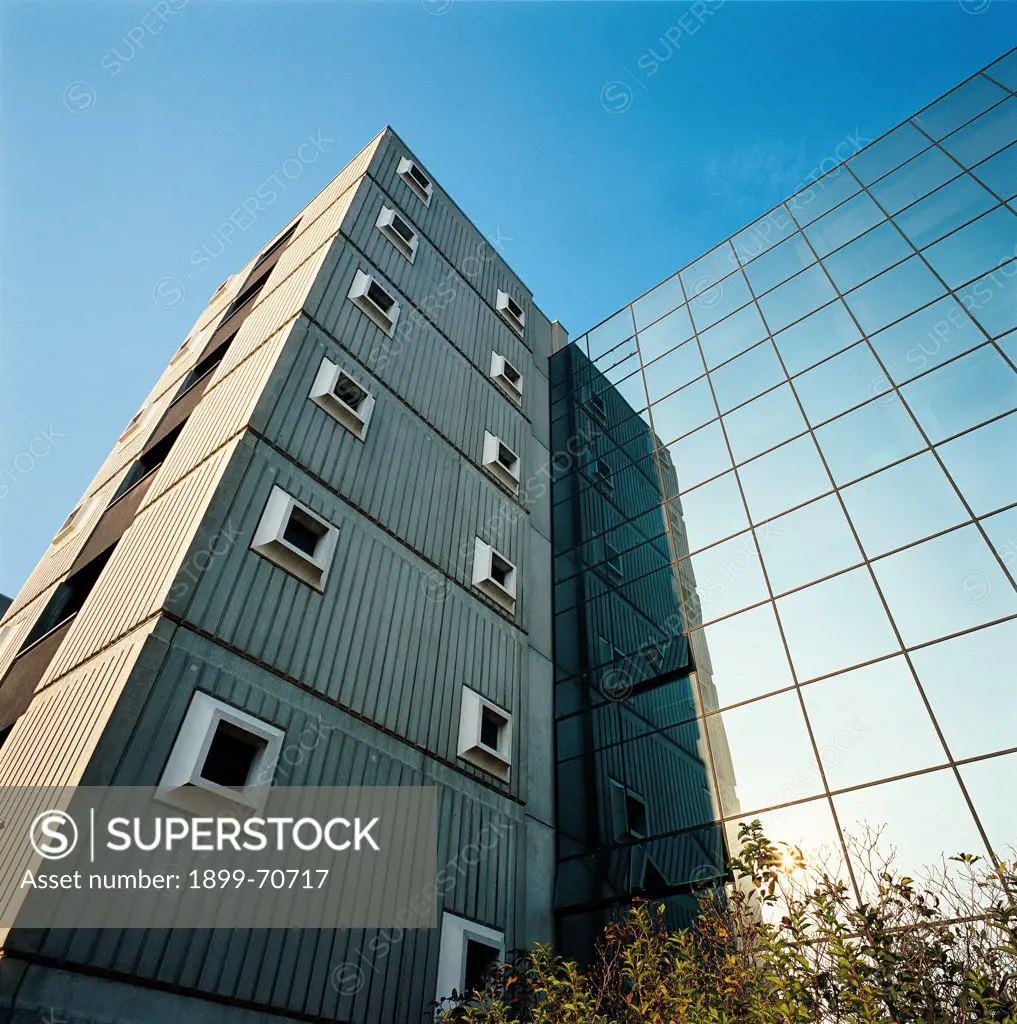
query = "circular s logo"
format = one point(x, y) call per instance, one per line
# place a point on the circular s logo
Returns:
point(53, 835)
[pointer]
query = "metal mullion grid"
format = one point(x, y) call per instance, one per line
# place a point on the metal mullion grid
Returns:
point(921, 429)
point(770, 600)
point(868, 563)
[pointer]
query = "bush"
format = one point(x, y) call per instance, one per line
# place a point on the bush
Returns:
point(786, 943)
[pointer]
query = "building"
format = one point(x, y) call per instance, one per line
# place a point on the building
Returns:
point(780, 487)
point(315, 537)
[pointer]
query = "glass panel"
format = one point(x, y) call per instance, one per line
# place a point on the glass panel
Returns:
point(788, 476)
point(810, 828)
point(807, 544)
point(816, 337)
point(610, 333)
point(923, 818)
point(779, 264)
point(990, 133)
point(981, 464)
point(793, 299)
point(883, 156)
point(871, 724)
point(713, 511)
point(843, 224)
point(742, 378)
point(614, 362)
point(683, 411)
point(903, 504)
point(765, 772)
point(835, 624)
point(915, 179)
point(728, 577)
point(867, 256)
point(960, 106)
point(991, 785)
point(665, 334)
point(992, 300)
point(1004, 70)
point(764, 423)
point(700, 455)
point(969, 683)
point(988, 242)
point(632, 389)
point(1002, 532)
point(732, 335)
point(744, 658)
point(944, 585)
point(963, 393)
point(653, 305)
point(709, 269)
point(717, 301)
point(670, 372)
point(1000, 173)
point(869, 438)
point(946, 209)
point(925, 339)
point(893, 294)
point(764, 233)
point(847, 380)
point(811, 203)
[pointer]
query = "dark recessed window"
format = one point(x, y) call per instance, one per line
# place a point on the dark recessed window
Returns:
point(249, 293)
point(231, 756)
point(500, 570)
point(635, 812)
point(513, 375)
point(205, 367)
point(348, 391)
point(491, 725)
point(148, 462)
point(303, 532)
point(380, 297)
point(68, 598)
point(480, 957)
point(276, 245)
point(507, 457)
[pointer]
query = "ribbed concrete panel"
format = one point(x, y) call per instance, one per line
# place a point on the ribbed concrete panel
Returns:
point(224, 412)
point(419, 364)
point(135, 582)
point(453, 300)
point(390, 637)
point(481, 839)
point(52, 741)
point(59, 557)
point(403, 473)
point(449, 229)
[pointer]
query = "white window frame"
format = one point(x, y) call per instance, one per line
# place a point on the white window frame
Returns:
point(182, 784)
point(360, 297)
point(495, 761)
point(323, 395)
point(386, 225)
point(456, 931)
point(138, 420)
point(517, 321)
point(514, 389)
point(77, 517)
point(270, 543)
point(508, 476)
point(484, 556)
point(419, 189)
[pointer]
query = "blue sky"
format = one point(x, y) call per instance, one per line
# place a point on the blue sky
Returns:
point(604, 145)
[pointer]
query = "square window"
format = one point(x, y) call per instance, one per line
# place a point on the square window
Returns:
point(765, 233)
point(981, 464)
point(712, 511)
point(413, 174)
point(983, 245)
point(887, 153)
point(466, 952)
point(665, 334)
point(868, 255)
point(398, 231)
point(992, 300)
point(719, 299)
point(841, 225)
point(847, 380)
point(999, 172)
point(895, 293)
point(709, 269)
point(779, 263)
point(674, 370)
point(727, 578)
point(944, 210)
point(959, 106)
point(485, 734)
point(507, 377)
point(691, 407)
point(374, 300)
point(494, 575)
point(829, 191)
point(501, 462)
point(917, 178)
point(796, 298)
point(221, 753)
point(990, 133)
point(658, 302)
point(511, 312)
point(746, 376)
point(819, 335)
point(732, 335)
point(779, 480)
point(343, 398)
point(295, 538)
point(700, 455)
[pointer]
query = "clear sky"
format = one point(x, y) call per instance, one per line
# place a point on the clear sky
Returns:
point(604, 144)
